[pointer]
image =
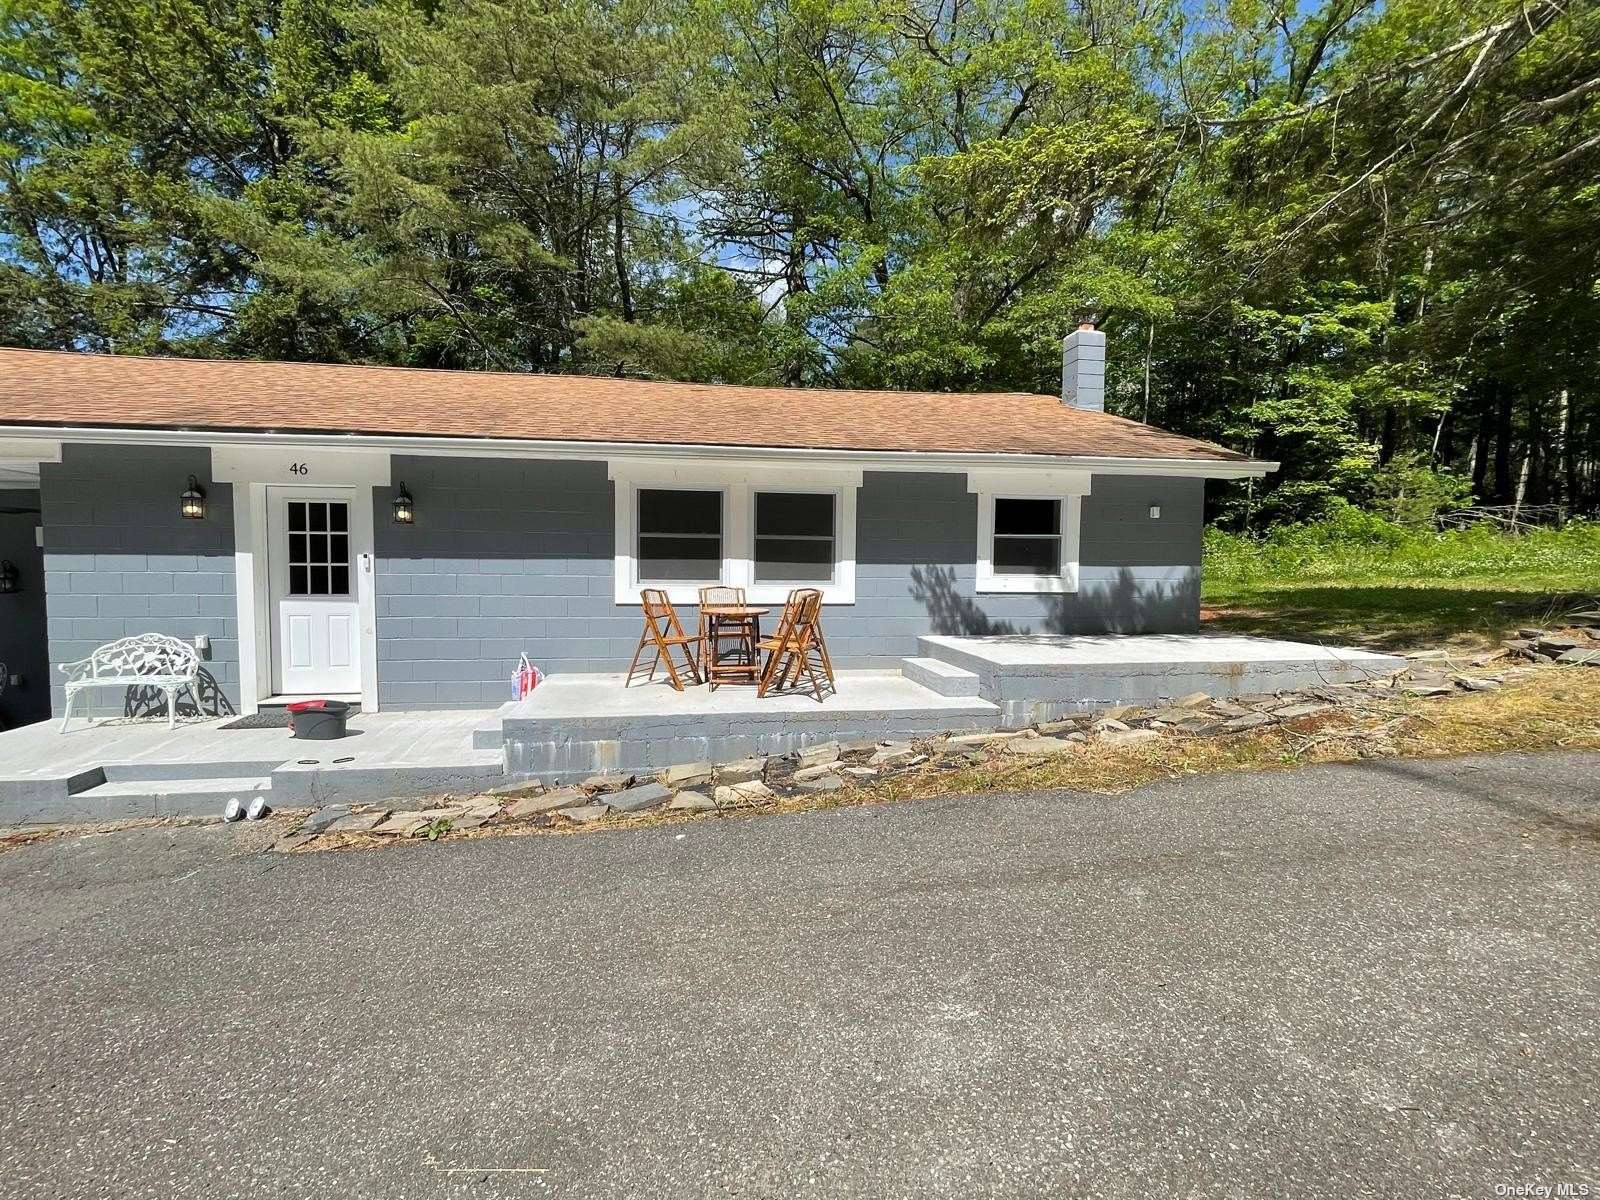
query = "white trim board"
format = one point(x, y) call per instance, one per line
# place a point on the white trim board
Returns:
point(1070, 487)
point(989, 581)
point(753, 457)
point(251, 475)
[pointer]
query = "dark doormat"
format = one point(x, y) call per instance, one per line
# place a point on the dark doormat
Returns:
point(271, 718)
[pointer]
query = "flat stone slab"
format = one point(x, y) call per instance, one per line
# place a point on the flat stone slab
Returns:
point(533, 806)
point(983, 739)
point(688, 775)
point(319, 821)
point(528, 787)
point(1040, 746)
point(752, 791)
point(362, 822)
point(1254, 720)
point(403, 824)
point(691, 802)
point(827, 752)
point(1129, 737)
point(817, 771)
point(1291, 712)
point(823, 783)
point(642, 798)
point(742, 771)
point(586, 814)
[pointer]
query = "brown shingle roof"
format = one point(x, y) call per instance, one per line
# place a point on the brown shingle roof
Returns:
point(57, 388)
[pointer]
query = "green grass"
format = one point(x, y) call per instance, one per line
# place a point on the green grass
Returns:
point(1359, 579)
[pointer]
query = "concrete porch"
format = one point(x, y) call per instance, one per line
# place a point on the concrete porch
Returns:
point(1040, 677)
point(573, 726)
point(124, 768)
point(576, 725)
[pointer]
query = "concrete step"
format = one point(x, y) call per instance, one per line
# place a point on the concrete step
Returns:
point(181, 797)
point(348, 778)
point(938, 676)
point(950, 652)
point(492, 735)
point(117, 772)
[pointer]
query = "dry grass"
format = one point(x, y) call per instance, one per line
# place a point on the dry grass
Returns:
point(1546, 710)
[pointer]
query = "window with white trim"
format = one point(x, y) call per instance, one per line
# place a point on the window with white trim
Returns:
point(680, 535)
point(1027, 536)
point(1028, 543)
point(766, 529)
point(795, 537)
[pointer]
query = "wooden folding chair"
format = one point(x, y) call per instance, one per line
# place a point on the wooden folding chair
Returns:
point(663, 631)
point(797, 650)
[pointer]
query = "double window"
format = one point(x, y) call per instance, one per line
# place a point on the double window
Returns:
point(680, 537)
point(767, 537)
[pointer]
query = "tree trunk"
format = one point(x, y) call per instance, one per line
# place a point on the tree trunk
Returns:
point(1149, 351)
point(619, 250)
point(1503, 432)
point(1386, 444)
point(1566, 461)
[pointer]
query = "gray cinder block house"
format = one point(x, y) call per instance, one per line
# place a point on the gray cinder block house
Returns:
point(402, 536)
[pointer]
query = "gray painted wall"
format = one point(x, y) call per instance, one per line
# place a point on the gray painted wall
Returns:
point(22, 619)
point(505, 556)
point(509, 556)
point(119, 560)
point(916, 550)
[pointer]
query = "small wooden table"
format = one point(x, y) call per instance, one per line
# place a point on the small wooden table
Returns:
point(740, 624)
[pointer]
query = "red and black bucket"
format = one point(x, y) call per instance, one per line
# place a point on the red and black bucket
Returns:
point(318, 720)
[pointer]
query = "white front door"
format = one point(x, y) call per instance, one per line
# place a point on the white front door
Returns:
point(315, 580)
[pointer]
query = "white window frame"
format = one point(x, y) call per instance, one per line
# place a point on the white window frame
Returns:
point(738, 484)
point(1069, 487)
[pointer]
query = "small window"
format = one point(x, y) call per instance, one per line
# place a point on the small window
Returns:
point(794, 537)
point(680, 536)
point(1027, 537)
point(319, 560)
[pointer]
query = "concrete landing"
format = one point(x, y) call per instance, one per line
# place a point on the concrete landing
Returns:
point(573, 726)
point(138, 768)
point(1038, 677)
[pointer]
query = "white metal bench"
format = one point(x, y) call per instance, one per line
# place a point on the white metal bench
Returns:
point(150, 660)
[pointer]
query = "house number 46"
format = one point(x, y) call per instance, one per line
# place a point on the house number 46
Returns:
point(299, 469)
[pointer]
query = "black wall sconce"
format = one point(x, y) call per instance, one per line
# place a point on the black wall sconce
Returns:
point(405, 511)
point(192, 504)
point(10, 581)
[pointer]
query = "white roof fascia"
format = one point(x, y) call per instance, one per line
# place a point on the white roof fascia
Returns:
point(479, 447)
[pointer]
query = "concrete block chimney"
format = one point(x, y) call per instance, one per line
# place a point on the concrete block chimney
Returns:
point(1083, 368)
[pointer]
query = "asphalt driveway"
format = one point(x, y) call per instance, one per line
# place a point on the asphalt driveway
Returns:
point(1371, 980)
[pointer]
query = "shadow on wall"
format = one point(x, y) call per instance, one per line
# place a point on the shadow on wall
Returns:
point(152, 702)
point(1123, 605)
